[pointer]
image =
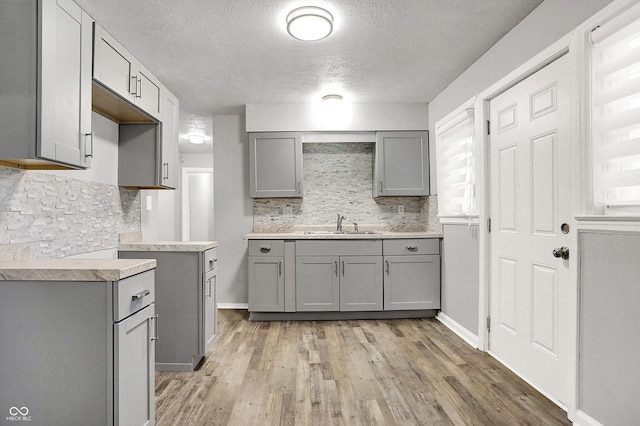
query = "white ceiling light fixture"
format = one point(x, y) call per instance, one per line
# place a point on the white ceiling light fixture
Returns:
point(332, 99)
point(309, 23)
point(196, 138)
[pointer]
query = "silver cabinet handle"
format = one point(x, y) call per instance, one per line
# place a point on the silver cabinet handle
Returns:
point(140, 295)
point(299, 188)
point(212, 262)
point(156, 336)
point(380, 187)
point(336, 266)
point(387, 263)
point(165, 167)
point(412, 248)
point(139, 92)
point(343, 268)
point(265, 249)
point(207, 288)
point(279, 269)
point(88, 152)
point(134, 86)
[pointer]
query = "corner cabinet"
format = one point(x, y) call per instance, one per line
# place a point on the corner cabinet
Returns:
point(275, 165)
point(411, 274)
point(45, 81)
point(120, 72)
point(401, 164)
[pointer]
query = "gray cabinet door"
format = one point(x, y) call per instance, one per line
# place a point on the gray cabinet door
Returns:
point(134, 368)
point(275, 164)
point(360, 283)
point(65, 104)
point(412, 282)
point(266, 284)
point(317, 283)
point(210, 308)
point(169, 154)
point(401, 164)
point(113, 65)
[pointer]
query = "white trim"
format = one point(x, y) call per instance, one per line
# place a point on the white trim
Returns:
point(459, 220)
point(621, 224)
point(583, 419)
point(185, 196)
point(233, 306)
point(462, 332)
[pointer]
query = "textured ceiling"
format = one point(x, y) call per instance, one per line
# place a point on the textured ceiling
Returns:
point(218, 55)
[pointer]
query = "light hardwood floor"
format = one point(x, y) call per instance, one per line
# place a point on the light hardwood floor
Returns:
point(385, 372)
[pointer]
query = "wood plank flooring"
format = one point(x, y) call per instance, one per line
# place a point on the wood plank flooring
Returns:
point(374, 372)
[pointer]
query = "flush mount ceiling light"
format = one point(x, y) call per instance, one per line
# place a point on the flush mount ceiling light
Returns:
point(309, 23)
point(196, 138)
point(332, 99)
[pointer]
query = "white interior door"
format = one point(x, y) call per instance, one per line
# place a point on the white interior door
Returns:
point(530, 200)
point(197, 204)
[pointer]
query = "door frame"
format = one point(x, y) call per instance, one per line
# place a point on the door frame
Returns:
point(568, 45)
point(185, 196)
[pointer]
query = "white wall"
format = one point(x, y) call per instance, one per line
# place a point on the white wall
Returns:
point(104, 165)
point(232, 206)
point(542, 27)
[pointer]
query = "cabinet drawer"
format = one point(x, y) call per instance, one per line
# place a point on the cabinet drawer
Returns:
point(411, 246)
point(266, 248)
point(210, 259)
point(133, 293)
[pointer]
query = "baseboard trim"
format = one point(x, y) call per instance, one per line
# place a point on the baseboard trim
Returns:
point(462, 332)
point(583, 419)
point(233, 306)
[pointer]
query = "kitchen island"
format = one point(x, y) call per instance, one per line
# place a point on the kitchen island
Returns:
point(77, 341)
point(321, 274)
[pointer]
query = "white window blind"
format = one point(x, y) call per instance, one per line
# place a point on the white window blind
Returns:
point(456, 165)
point(616, 114)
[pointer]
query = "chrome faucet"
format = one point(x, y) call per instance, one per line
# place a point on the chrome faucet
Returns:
point(339, 224)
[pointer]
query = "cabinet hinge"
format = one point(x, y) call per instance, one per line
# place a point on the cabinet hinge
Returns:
point(488, 127)
point(489, 225)
point(488, 324)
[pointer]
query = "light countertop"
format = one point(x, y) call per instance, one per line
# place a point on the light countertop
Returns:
point(301, 235)
point(73, 269)
point(183, 246)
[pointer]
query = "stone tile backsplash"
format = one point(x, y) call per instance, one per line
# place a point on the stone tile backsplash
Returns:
point(47, 216)
point(338, 178)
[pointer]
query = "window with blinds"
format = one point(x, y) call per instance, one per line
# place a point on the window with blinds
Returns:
point(615, 117)
point(456, 165)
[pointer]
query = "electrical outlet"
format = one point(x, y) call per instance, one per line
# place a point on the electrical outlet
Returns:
point(401, 209)
point(287, 211)
point(149, 203)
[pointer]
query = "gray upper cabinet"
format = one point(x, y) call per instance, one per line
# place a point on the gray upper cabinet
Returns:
point(275, 165)
point(45, 81)
point(169, 153)
point(118, 71)
point(401, 164)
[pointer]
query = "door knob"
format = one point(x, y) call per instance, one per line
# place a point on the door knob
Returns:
point(562, 252)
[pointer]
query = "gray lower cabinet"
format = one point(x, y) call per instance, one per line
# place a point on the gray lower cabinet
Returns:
point(412, 274)
point(185, 303)
point(401, 166)
point(78, 352)
point(350, 281)
point(266, 276)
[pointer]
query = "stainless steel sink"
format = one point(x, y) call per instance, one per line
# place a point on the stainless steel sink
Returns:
point(342, 232)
